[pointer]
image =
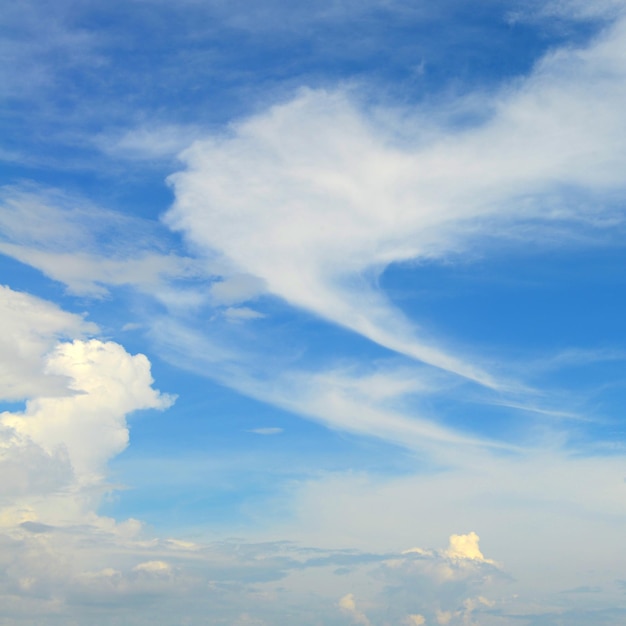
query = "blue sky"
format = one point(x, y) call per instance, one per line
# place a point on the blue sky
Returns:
point(313, 314)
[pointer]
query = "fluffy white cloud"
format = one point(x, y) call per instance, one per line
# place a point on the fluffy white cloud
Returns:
point(53, 454)
point(55, 550)
point(31, 328)
point(465, 547)
point(78, 392)
point(347, 605)
point(106, 383)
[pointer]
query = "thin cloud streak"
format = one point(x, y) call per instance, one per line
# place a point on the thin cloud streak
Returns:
point(337, 400)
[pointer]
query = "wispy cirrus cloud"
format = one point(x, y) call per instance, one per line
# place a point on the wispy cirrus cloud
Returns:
point(90, 249)
point(315, 198)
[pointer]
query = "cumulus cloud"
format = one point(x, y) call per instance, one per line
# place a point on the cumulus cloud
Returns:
point(465, 547)
point(347, 605)
point(55, 550)
point(242, 313)
point(27, 468)
point(105, 384)
point(31, 328)
point(78, 393)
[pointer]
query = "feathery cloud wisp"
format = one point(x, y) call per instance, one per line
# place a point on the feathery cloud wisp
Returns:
point(315, 199)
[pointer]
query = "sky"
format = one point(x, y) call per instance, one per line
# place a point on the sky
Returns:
point(313, 313)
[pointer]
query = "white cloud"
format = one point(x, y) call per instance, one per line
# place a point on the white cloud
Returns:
point(78, 393)
point(27, 468)
point(154, 567)
point(241, 314)
point(105, 384)
point(148, 143)
point(347, 605)
point(236, 288)
point(89, 274)
point(88, 248)
point(315, 198)
point(338, 398)
point(553, 521)
point(72, 574)
point(266, 431)
point(465, 547)
point(31, 328)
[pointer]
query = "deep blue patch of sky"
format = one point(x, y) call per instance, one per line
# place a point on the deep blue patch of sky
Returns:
point(123, 64)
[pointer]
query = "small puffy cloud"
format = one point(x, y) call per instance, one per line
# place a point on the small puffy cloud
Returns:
point(347, 605)
point(267, 430)
point(408, 588)
point(78, 393)
point(242, 313)
point(158, 568)
point(89, 423)
point(465, 547)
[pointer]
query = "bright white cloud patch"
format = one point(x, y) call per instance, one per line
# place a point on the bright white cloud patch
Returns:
point(31, 329)
point(465, 547)
point(78, 394)
point(315, 198)
point(53, 457)
point(106, 384)
point(348, 606)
